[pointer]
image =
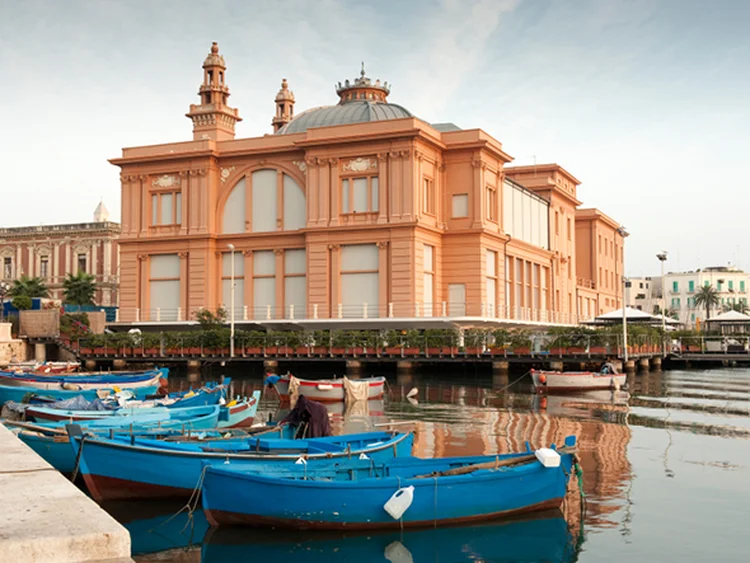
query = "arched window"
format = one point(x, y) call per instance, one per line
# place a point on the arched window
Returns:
point(277, 203)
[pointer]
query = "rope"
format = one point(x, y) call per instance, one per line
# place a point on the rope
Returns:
point(513, 382)
point(434, 517)
point(78, 458)
point(192, 502)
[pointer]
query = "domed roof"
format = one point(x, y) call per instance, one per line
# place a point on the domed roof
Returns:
point(360, 101)
point(350, 112)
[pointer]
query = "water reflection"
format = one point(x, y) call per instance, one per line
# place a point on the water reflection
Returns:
point(544, 538)
point(658, 460)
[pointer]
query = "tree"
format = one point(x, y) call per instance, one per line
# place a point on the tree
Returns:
point(79, 289)
point(740, 307)
point(707, 297)
point(30, 287)
point(670, 312)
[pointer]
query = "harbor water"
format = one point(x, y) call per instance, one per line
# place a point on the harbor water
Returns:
point(666, 472)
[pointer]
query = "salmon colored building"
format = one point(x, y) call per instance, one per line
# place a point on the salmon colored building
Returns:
point(358, 210)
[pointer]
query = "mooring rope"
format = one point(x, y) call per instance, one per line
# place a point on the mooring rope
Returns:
point(78, 458)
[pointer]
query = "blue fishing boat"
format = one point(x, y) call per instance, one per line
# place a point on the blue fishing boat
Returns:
point(51, 442)
point(402, 492)
point(542, 537)
point(126, 380)
point(21, 394)
point(142, 468)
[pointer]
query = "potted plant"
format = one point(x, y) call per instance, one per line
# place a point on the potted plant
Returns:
point(151, 342)
point(500, 342)
point(393, 340)
point(520, 342)
point(341, 341)
point(475, 340)
point(320, 342)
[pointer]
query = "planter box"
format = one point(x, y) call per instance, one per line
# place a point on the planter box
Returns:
point(411, 351)
point(253, 350)
point(576, 350)
point(85, 350)
point(285, 350)
point(360, 351)
point(150, 351)
point(497, 351)
point(522, 351)
point(598, 349)
point(338, 351)
point(271, 350)
point(302, 351)
point(193, 351)
point(320, 350)
point(558, 351)
point(393, 350)
point(431, 351)
point(449, 350)
point(473, 351)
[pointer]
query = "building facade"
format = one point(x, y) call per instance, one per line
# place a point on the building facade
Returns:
point(731, 284)
point(356, 210)
point(51, 252)
point(644, 294)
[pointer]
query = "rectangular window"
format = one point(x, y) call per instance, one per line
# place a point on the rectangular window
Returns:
point(491, 282)
point(166, 208)
point(675, 287)
point(742, 286)
point(44, 266)
point(730, 285)
point(7, 267)
point(360, 195)
point(295, 283)
point(428, 279)
point(428, 186)
point(82, 263)
point(691, 286)
point(264, 284)
point(360, 284)
point(570, 230)
point(492, 203)
point(460, 205)
point(239, 283)
point(164, 286)
point(557, 223)
point(719, 285)
point(456, 299)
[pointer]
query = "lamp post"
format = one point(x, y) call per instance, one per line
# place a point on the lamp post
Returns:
point(4, 289)
point(662, 256)
point(231, 302)
point(623, 233)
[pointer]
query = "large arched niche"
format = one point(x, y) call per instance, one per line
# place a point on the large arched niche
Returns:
point(267, 190)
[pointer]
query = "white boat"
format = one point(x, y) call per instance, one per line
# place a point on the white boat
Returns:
point(324, 390)
point(565, 381)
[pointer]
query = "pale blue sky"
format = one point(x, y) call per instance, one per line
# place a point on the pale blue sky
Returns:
point(645, 101)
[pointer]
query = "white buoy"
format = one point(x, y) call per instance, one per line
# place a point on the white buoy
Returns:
point(399, 502)
point(413, 393)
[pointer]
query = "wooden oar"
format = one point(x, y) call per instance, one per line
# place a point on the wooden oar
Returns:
point(519, 460)
point(34, 427)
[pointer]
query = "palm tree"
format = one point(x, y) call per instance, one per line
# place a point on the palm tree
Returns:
point(670, 312)
point(30, 287)
point(707, 297)
point(79, 289)
point(740, 307)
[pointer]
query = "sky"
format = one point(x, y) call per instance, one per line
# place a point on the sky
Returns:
point(644, 101)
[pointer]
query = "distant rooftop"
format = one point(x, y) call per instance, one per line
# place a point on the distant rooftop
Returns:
point(446, 127)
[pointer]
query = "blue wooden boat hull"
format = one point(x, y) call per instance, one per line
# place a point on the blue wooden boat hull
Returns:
point(56, 450)
point(546, 538)
point(103, 378)
point(114, 469)
point(18, 393)
point(354, 500)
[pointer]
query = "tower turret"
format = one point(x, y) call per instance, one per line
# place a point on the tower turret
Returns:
point(284, 106)
point(213, 118)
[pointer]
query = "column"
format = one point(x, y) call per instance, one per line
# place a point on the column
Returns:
point(19, 266)
point(55, 259)
point(279, 200)
point(144, 200)
point(407, 184)
point(394, 196)
point(248, 298)
point(335, 280)
point(383, 188)
point(95, 259)
point(477, 192)
point(383, 279)
point(331, 183)
point(184, 284)
point(280, 312)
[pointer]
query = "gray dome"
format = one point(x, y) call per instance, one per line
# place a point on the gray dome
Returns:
point(342, 114)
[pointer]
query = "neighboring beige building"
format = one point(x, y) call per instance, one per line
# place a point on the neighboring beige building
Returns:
point(53, 251)
point(355, 210)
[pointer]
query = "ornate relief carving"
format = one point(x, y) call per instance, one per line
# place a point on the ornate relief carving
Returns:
point(42, 250)
point(301, 164)
point(310, 161)
point(333, 161)
point(7, 252)
point(142, 177)
point(360, 165)
point(440, 166)
point(184, 173)
point(394, 154)
point(479, 163)
point(419, 155)
point(198, 172)
point(225, 172)
point(247, 252)
point(142, 257)
point(182, 254)
point(334, 246)
point(383, 244)
point(278, 251)
point(382, 156)
point(166, 181)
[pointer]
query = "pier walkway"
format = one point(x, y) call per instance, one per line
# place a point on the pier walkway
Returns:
point(46, 518)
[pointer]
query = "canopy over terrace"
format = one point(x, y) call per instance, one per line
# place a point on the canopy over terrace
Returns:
point(632, 316)
point(730, 322)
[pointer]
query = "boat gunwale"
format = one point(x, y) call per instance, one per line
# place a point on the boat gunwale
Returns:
point(394, 441)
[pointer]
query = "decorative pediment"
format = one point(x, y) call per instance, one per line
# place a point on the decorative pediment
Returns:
point(360, 165)
point(166, 181)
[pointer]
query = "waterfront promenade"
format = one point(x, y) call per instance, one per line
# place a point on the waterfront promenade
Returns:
point(46, 518)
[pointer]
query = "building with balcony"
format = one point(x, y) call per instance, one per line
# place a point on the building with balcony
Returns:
point(51, 252)
point(731, 283)
point(644, 294)
point(358, 210)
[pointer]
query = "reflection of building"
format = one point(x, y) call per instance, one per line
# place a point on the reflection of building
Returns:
point(53, 251)
point(359, 209)
point(602, 446)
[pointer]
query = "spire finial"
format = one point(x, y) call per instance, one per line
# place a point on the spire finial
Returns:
point(362, 72)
